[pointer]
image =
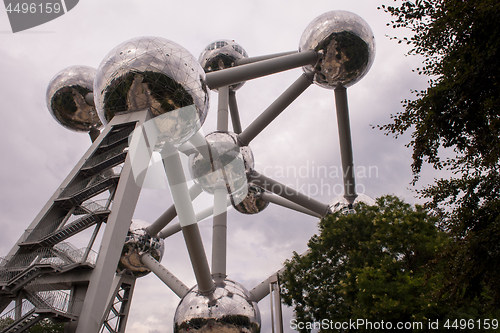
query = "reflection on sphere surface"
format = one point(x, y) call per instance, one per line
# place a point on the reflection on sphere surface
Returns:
point(137, 242)
point(340, 203)
point(346, 46)
point(252, 202)
point(228, 161)
point(65, 98)
point(228, 310)
point(154, 73)
point(222, 54)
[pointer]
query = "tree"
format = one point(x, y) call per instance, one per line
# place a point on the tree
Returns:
point(44, 326)
point(460, 111)
point(377, 264)
point(47, 326)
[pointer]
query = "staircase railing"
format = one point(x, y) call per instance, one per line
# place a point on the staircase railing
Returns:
point(95, 160)
point(58, 257)
point(8, 318)
point(86, 208)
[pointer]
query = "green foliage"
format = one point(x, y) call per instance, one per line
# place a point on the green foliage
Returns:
point(44, 326)
point(460, 110)
point(376, 265)
point(47, 326)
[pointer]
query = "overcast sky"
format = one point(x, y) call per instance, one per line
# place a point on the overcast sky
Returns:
point(37, 153)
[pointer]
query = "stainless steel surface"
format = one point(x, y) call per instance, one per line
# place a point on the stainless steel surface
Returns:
point(165, 275)
point(346, 155)
point(228, 310)
point(262, 68)
point(340, 203)
point(66, 98)
point(228, 161)
point(252, 203)
point(275, 109)
point(222, 54)
point(137, 243)
point(154, 73)
point(346, 48)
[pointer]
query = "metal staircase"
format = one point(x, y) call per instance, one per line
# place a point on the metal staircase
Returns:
point(24, 323)
point(49, 236)
point(77, 193)
point(42, 253)
point(37, 305)
point(21, 269)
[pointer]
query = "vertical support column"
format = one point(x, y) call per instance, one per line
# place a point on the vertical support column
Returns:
point(345, 143)
point(78, 292)
point(101, 279)
point(219, 239)
point(276, 311)
point(18, 306)
point(223, 109)
point(235, 114)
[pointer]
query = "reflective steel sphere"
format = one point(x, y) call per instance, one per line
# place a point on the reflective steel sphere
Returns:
point(340, 204)
point(66, 95)
point(252, 202)
point(154, 73)
point(137, 242)
point(222, 54)
point(228, 161)
point(228, 310)
point(346, 46)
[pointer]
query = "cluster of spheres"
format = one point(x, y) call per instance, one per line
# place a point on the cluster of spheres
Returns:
point(228, 309)
point(157, 74)
point(137, 242)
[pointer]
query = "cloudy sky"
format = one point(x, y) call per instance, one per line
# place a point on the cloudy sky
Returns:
point(37, 153)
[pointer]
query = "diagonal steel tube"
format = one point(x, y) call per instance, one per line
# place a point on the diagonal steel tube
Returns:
point(288, 193)
point(154, 228)
point(275, 109)
point(280, 201)
point(229, 76)
point(250, 60)
point(179, 288)
point(176, 227)
point(187, 218)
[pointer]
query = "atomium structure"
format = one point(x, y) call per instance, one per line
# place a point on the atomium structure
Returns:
point(152, 97)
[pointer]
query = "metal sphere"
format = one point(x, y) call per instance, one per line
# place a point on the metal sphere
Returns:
point(340, 203)
point(252, 203)
point(229, 310)
point(346, 46)
point(154, 73)
point(222, 54)
point(228, 161)
point(66, 98)
point(138, 241)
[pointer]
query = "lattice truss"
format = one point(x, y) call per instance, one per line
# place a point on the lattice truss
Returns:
point(151, 97)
